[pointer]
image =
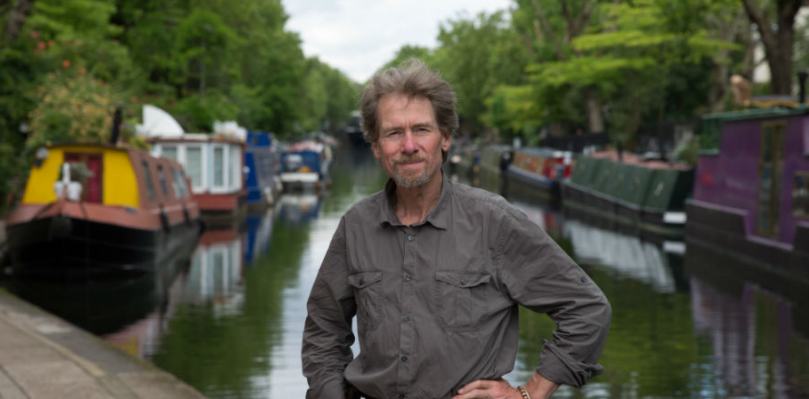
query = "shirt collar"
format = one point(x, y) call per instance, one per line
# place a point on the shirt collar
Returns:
point(438, 217)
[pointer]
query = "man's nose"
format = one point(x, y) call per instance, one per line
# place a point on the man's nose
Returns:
point(409, 144)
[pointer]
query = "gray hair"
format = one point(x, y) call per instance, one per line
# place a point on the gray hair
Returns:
point(414, 80)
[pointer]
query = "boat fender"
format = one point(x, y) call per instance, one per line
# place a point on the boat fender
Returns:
point(164, 220)
point(187, 215)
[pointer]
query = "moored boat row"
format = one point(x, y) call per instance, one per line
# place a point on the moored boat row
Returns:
point(91, 211)
point(748, 194)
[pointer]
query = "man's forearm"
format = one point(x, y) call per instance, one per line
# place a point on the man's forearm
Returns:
point(540, 387)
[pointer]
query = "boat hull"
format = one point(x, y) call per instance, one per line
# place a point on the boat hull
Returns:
point(64, 246)
point(722, 227)
point(587, 204)
point(547, 188)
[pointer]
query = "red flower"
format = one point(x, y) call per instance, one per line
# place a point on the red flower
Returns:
point(83, 71)
point(66, 63)
point(35, 34)
point(41, 45)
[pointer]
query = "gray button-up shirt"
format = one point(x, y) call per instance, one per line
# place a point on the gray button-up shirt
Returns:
point(436, 302)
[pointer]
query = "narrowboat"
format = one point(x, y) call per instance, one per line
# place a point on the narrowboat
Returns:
point(751, 193)
point(646, 197)
point(262, 161)
point(96, 210)
point(214, 162)
point(541, 169)
point(305, 165)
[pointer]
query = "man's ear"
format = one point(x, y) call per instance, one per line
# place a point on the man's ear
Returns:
point(375, 148)
point(447, 142)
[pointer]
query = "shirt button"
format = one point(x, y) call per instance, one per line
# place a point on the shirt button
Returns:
point(404, 359)
point(584, 279)
point(406, 318)
point(463, 281)
point(410, 238)
point(407, 277)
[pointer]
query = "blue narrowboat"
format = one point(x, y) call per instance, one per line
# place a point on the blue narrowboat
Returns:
point(262, 160)
point(305, 165)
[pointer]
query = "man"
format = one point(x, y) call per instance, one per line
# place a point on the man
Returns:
point(434, 271)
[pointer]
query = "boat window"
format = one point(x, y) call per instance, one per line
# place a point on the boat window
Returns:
point(168, 151)
point(162, 176)
point(183, 183)
point(177, 182)
point(800, 195)
point(147, 177)
point(193, 164)
point(218, 167)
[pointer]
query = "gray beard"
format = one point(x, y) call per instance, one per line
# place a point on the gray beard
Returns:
point(411, 181)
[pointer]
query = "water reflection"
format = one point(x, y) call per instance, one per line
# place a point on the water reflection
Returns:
point(229, 320)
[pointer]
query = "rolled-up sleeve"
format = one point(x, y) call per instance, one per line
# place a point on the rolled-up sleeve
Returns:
point(540, 276)
point(327, 336)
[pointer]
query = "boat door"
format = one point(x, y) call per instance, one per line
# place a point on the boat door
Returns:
point(770, 169)
point(92, 186)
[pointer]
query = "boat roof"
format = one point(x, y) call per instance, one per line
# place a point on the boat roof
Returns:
point(630, 158)
point(545, 152)
point(757, 113)
point(307, 145)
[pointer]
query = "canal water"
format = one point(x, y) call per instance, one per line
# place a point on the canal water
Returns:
point(686, 321)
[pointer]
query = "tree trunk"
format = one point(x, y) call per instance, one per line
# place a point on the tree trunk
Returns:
point(778, 44)
point(781, 62)
point(594, 118)
point(19, 13)
point(720, 87)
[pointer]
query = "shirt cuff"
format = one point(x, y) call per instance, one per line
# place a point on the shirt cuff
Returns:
point(333, 388)
point(560, 368)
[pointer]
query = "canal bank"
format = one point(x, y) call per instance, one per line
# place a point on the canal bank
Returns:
point(42, 356)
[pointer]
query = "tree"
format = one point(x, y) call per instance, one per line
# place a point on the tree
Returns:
point(475, 56)
point(777, 31)
point(409, 51)
point(548, 17)
point(19, 13)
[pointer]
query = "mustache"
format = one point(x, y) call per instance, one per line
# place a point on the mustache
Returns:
point(410, 159)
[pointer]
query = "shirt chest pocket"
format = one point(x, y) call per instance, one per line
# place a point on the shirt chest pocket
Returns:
point(461, 299)
point(367, 293)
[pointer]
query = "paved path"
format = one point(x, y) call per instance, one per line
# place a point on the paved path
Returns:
point(42, 356)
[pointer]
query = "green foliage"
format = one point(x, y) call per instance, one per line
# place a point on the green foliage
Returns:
point(407, 52)
point(72, 107)
point(476, 56)
point(687, 151)
point(8, 169)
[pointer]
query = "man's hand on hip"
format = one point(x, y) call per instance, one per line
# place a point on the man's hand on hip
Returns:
point(488, 389)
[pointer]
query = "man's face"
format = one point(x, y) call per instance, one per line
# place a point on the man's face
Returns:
point(409, 144)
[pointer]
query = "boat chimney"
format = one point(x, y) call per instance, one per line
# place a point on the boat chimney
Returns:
point(116, 126)
point(802, 87)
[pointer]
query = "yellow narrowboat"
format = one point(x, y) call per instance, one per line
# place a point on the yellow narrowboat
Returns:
point(100, 209)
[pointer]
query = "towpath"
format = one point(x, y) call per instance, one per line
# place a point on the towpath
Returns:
point(42, 356)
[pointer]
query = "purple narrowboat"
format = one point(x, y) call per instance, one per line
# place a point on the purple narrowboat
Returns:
point(751, 192)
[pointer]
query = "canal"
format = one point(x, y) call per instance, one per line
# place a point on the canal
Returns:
point(686, 321)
